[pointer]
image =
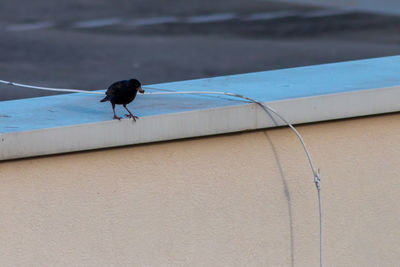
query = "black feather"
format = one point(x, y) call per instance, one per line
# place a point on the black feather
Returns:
point(122, 92)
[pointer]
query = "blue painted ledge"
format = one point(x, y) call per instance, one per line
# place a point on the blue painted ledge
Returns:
point(304, 94)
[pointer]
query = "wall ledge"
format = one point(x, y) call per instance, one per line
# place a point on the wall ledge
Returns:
point(77, 122)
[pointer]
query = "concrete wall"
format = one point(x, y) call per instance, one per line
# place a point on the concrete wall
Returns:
point(243, 199)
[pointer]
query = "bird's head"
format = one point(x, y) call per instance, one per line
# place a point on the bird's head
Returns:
point(133, 83)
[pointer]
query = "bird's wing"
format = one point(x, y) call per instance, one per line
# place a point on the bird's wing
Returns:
point(115, 88)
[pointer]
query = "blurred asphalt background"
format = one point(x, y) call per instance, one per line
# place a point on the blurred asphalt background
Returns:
point(88, 44)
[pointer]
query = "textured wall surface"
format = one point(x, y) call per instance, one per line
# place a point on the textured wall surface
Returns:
point(244, 199)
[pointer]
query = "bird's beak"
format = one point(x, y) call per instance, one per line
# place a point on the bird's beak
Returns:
point(141, 90)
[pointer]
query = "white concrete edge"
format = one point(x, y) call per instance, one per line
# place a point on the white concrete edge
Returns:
point(196, 123)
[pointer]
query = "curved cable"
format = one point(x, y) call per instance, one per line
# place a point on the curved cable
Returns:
point(51, 89)
point(265, 107)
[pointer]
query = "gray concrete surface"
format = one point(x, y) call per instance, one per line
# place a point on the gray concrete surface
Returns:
point(54, 52)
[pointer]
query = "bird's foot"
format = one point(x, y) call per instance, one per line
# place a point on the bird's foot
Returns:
point(131, 116)
point(117, 118)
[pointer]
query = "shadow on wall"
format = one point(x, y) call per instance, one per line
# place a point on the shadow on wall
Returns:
point(287, 196)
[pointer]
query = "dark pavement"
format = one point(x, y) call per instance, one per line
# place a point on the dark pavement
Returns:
point(63, 55)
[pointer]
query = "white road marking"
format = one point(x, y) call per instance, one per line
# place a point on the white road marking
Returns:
point(217, 17)
point(97, 23)
point(270, 15)
point(30, 26)
point(211, 18)
point(153, 21)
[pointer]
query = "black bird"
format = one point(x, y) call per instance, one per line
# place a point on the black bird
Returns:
point(123, 93)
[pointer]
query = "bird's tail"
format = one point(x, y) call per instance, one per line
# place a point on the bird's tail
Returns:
point(105, 99)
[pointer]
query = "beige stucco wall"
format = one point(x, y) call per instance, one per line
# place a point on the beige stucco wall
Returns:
point(244, 199)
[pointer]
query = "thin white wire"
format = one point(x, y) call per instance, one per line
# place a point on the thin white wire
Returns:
point(51, 89)
point(265, 107)
point(316, 173)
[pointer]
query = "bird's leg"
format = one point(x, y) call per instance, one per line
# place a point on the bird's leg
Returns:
point(130, 114)
point(115, 115)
